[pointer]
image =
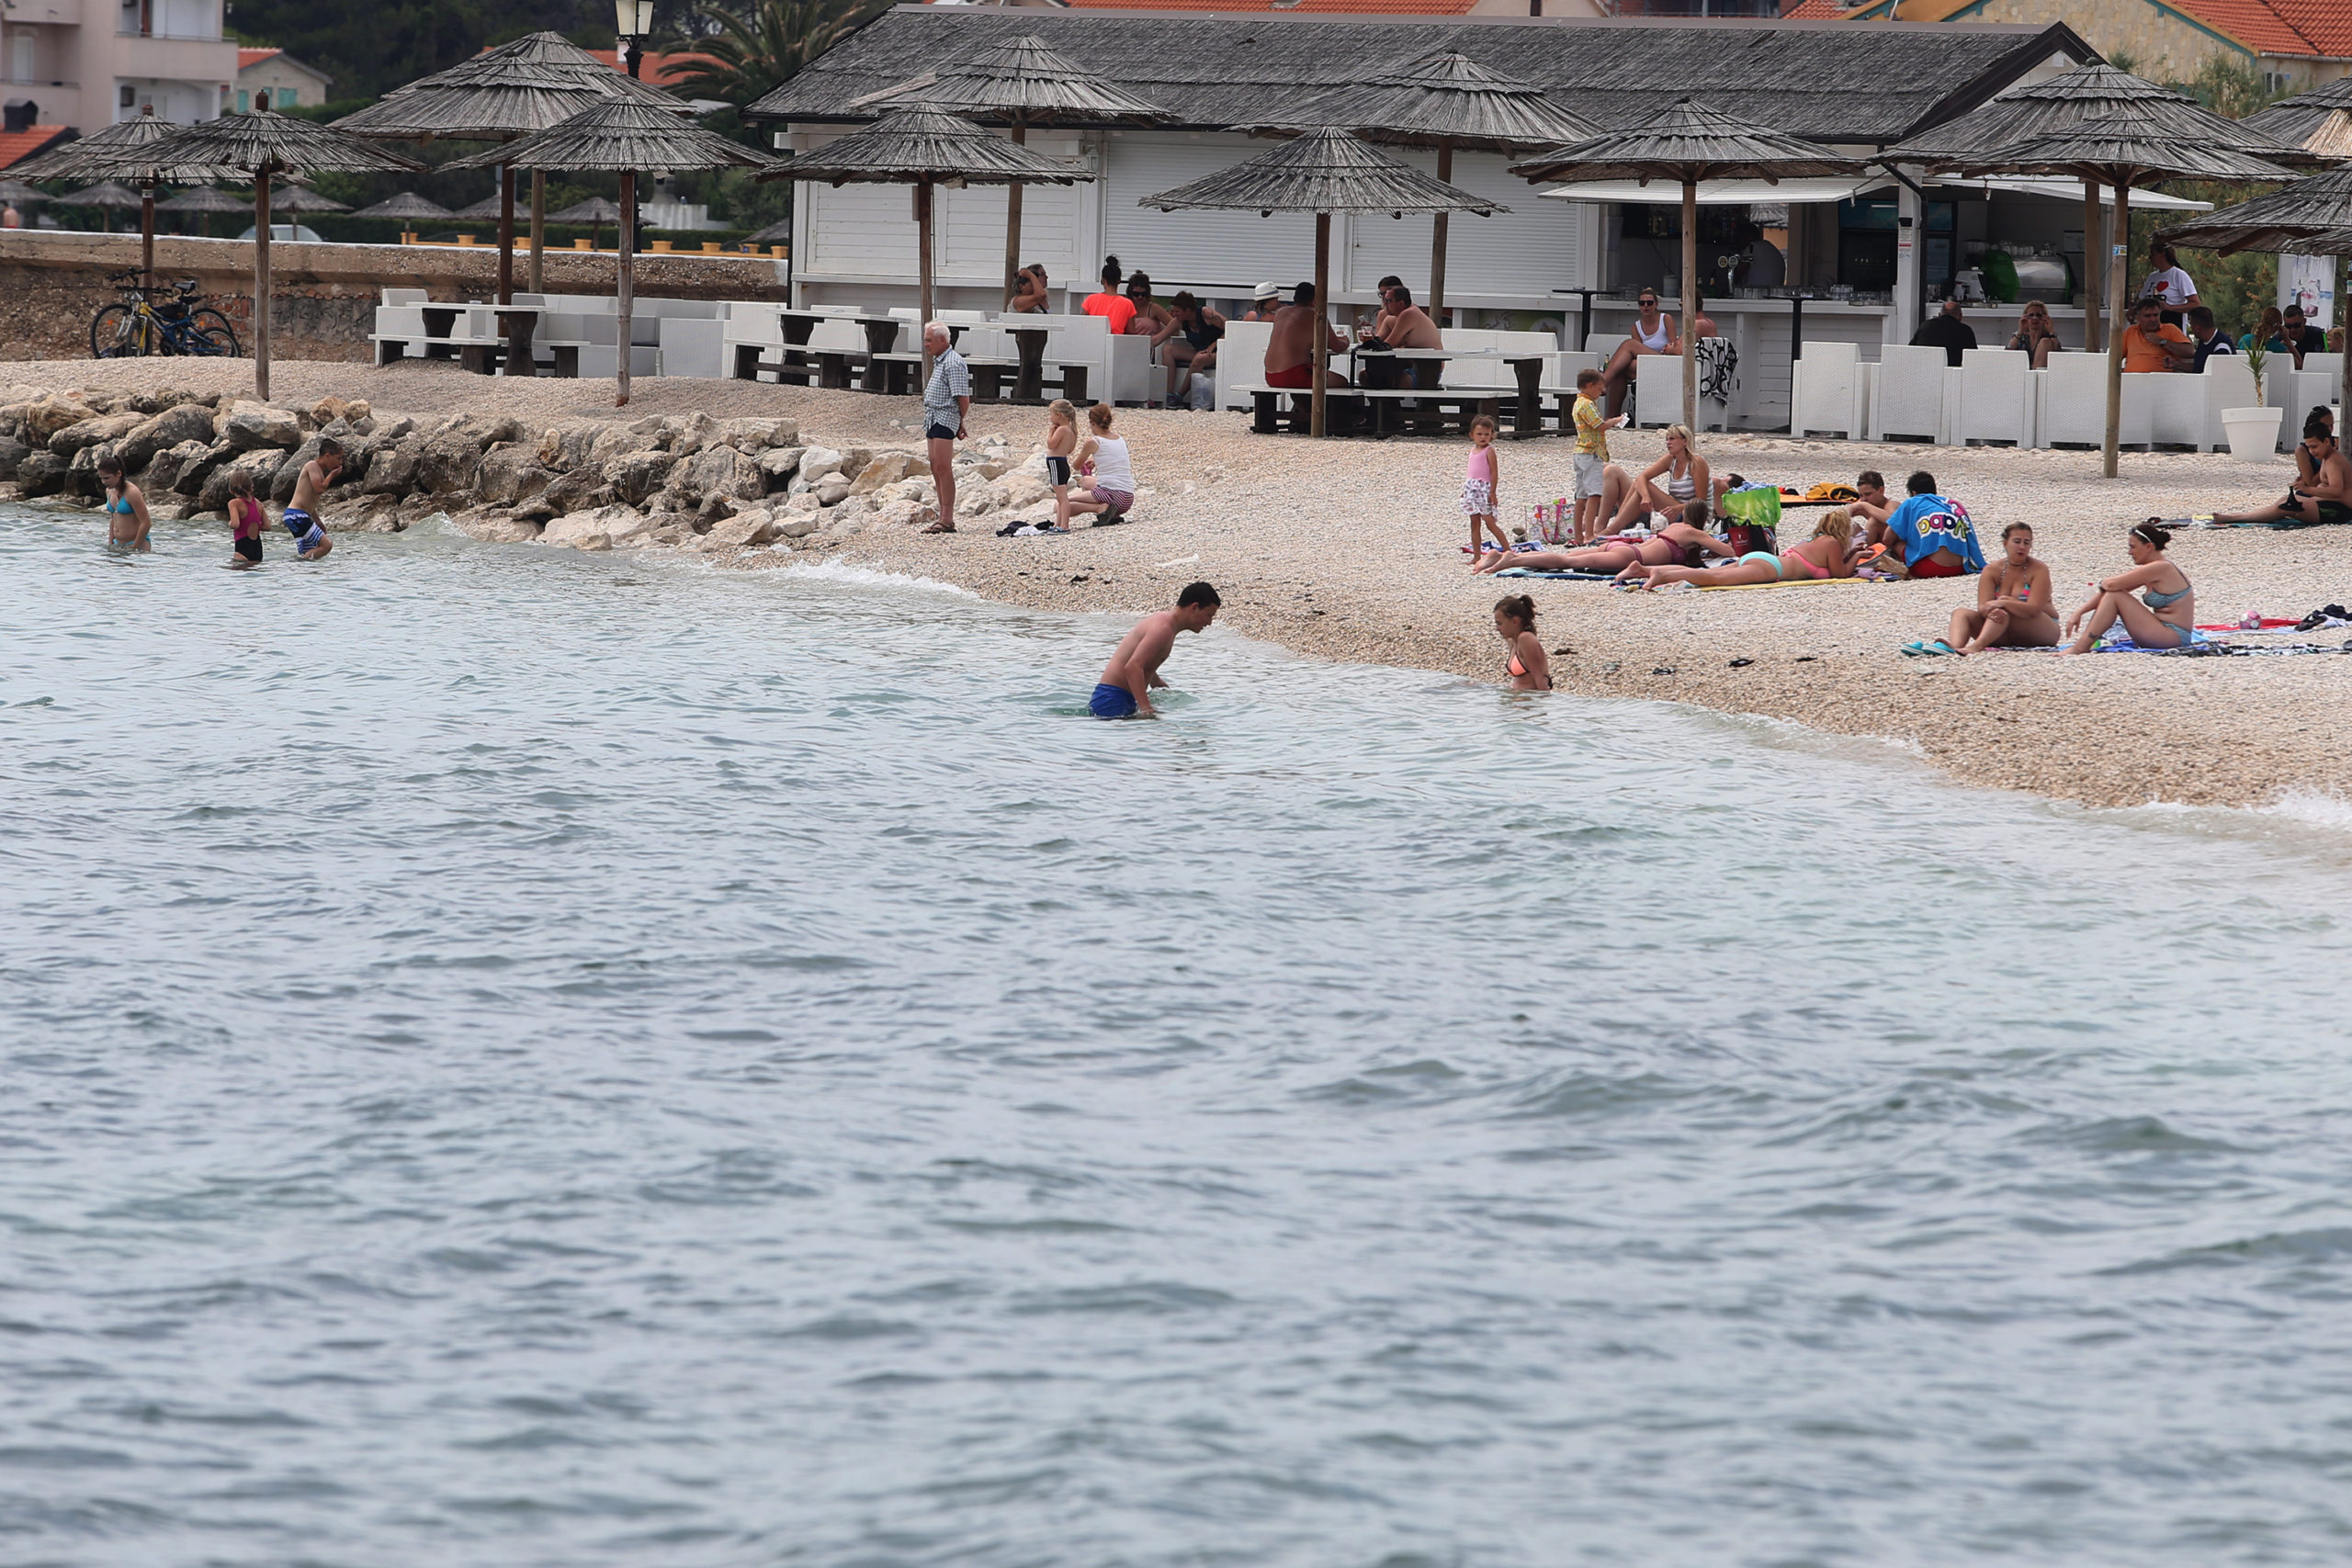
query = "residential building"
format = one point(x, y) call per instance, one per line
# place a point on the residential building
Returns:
point(86, 64)
point(2295, 44)
point(271, 78)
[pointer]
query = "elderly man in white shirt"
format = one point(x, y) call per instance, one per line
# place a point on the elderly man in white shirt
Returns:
point(946, 399)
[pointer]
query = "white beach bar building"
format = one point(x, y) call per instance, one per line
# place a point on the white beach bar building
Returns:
point(1859, 258)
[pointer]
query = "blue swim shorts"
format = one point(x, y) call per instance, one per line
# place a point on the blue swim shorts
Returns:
point(303, 526)
point(1113, 702)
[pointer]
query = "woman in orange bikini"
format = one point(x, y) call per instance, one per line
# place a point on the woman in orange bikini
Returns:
point(1819, 558)
point(1529, 669)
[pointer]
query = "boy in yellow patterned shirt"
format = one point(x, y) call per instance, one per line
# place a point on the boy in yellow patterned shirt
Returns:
point(1592, 455)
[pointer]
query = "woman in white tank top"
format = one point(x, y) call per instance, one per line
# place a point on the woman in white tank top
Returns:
point(1652, 334)
point(1108, 488)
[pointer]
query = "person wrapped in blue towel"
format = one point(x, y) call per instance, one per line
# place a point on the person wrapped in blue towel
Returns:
point(1933, 532)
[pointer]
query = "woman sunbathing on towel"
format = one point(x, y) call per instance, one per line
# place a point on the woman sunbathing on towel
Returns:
point(2164, 621)
point(1675, 543)
point(2013, 604)
point(1819, 558)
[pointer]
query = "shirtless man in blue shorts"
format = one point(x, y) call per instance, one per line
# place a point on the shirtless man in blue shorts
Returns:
point(1124, 691)
point(311, 541)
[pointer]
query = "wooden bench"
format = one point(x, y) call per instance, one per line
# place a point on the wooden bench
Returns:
point(1434, 412)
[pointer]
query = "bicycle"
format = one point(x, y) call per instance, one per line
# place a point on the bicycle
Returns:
point(135, 326)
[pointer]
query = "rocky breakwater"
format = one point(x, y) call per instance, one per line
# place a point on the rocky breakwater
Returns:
point(683, 482)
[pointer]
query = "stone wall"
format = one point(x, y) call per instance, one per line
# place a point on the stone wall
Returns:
point(2158, 41)
point(53, 283)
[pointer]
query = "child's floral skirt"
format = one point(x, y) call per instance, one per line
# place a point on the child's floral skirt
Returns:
point(1478, 498)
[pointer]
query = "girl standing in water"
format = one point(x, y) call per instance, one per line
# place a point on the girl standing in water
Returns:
point(247, 521)
point(128, 521)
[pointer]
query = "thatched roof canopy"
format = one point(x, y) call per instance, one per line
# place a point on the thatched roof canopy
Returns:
point(245, 144)
point(205, 199)
point(2310, 210)
point(299, 198)
point(2132, 146)
point(1021, 78)
point(621, 136)
point(2318, 121)
point(408, 204)
point(112, 152)
point(535, 82)
point(595, 209)
point(487, 209)
point(2086, 92)
point(105, 193)
point(1830, 81)
point(1324, 171)
point(926, 145)
point(777, 233)
point(1441, 96)
point(16, 193)
point(1688, 141)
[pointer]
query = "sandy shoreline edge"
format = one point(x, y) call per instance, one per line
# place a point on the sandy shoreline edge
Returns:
point(1351, 551)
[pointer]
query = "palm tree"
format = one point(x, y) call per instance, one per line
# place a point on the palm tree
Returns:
point(744, 58)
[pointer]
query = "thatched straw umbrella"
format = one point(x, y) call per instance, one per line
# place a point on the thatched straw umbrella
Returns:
point(296, 199)
point(2319, 121)
point(202, 202)
point(114, 151)
point(2132, 146)
point(625, 137)
point(257, 146)
point(16, 193)
point(779, 233)
point(530, 84)
point(105, 197)
point(1021, 83)
point(923, 148)
point(1323, 171)
point(2313, 218)
point(596, 212)
point(409, 207)
point(486, 210)
point(2072, 98)
point(1443, 99)
point(1692, 144)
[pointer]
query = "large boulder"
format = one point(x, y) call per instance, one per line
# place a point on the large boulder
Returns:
point(12, 452)
point(830, 491)
point(635, 476)
point(511, 472)
point(41, 473)
point(82, 472)
point(614, 440)
point(778, 465)
point(260, 465)
point(362, 514)
point(84, 434)
point(449, 463)
point(887, 469)
point(197, 462)
point(691, 434)
point(565, 446)
point(816, 462)
point(595, 529)
point(185, 422)
point(496, 525)
point(758, 434)
point(250, 426)
point(745, 529)
point(717, 472)
point(52, 412)
point(162, 474)
point(580, 489)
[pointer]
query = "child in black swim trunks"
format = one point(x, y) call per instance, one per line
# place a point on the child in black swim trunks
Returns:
point(1061, 440)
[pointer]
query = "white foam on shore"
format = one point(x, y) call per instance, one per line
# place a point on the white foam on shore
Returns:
point(872, 577)
point(2311, 809)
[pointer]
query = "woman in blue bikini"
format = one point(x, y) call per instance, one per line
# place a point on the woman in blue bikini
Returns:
point(1821, 557)
point(2164, 615)
point(128, 521)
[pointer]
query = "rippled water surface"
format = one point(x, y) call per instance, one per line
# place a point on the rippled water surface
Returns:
point(516, 1058)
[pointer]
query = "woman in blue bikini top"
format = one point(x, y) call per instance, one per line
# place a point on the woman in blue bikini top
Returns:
point(127, 517)
point(2164, 615)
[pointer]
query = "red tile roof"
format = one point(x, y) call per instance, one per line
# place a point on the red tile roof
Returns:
point(16, 146)
point(1382, 8)
point(662, 70)
point(250, 57)
point(1815, 10)
point(2278, 27)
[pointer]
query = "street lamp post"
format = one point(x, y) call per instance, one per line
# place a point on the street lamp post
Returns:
point(633, 23)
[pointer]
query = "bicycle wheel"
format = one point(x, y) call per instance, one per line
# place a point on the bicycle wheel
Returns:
point(213, 328)
point(211, 340)
point(113, 334)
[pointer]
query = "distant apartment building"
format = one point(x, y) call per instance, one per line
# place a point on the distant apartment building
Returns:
point(2295, 45)
point(272, 79)
point(89, 63)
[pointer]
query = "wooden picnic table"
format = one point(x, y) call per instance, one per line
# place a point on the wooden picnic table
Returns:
point(1527, 367)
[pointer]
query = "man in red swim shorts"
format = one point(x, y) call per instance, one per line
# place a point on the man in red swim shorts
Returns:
point(1290, 349)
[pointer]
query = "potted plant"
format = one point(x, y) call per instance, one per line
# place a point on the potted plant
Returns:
point(2253, 432)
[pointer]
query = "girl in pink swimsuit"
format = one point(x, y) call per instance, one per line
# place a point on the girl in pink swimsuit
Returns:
point(1817, 559)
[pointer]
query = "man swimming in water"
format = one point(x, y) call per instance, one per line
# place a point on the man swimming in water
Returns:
point(311, 541)
point(1124, 691)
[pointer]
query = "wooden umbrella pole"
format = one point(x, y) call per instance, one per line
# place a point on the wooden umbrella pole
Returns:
point(628, 278)
point(2115, 330)
point(1322, 359)
point(1689, 317)
point(260, 280)
point(1012, 222)
point(922, 273)
point(147, 236)
point(2094, 275)
point(506, 233)
point(538, 229)
point(1437, 235)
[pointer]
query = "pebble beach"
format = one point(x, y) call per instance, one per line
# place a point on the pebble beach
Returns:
point(1351, 550)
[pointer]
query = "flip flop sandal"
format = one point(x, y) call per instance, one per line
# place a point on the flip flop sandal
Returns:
point(940, 528)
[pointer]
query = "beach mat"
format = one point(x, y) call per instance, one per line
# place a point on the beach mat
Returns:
point(1800, 582)
point(1557, 576)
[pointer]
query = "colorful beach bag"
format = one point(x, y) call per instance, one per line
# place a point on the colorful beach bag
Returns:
point(1752, 518)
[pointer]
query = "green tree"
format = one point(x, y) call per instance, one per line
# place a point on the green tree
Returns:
point(746, 57)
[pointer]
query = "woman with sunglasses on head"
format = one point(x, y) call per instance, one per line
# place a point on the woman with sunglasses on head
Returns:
point(2035, 334)
point(2164, 615)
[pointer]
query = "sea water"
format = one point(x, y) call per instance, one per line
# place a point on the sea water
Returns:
point(515, 1057)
